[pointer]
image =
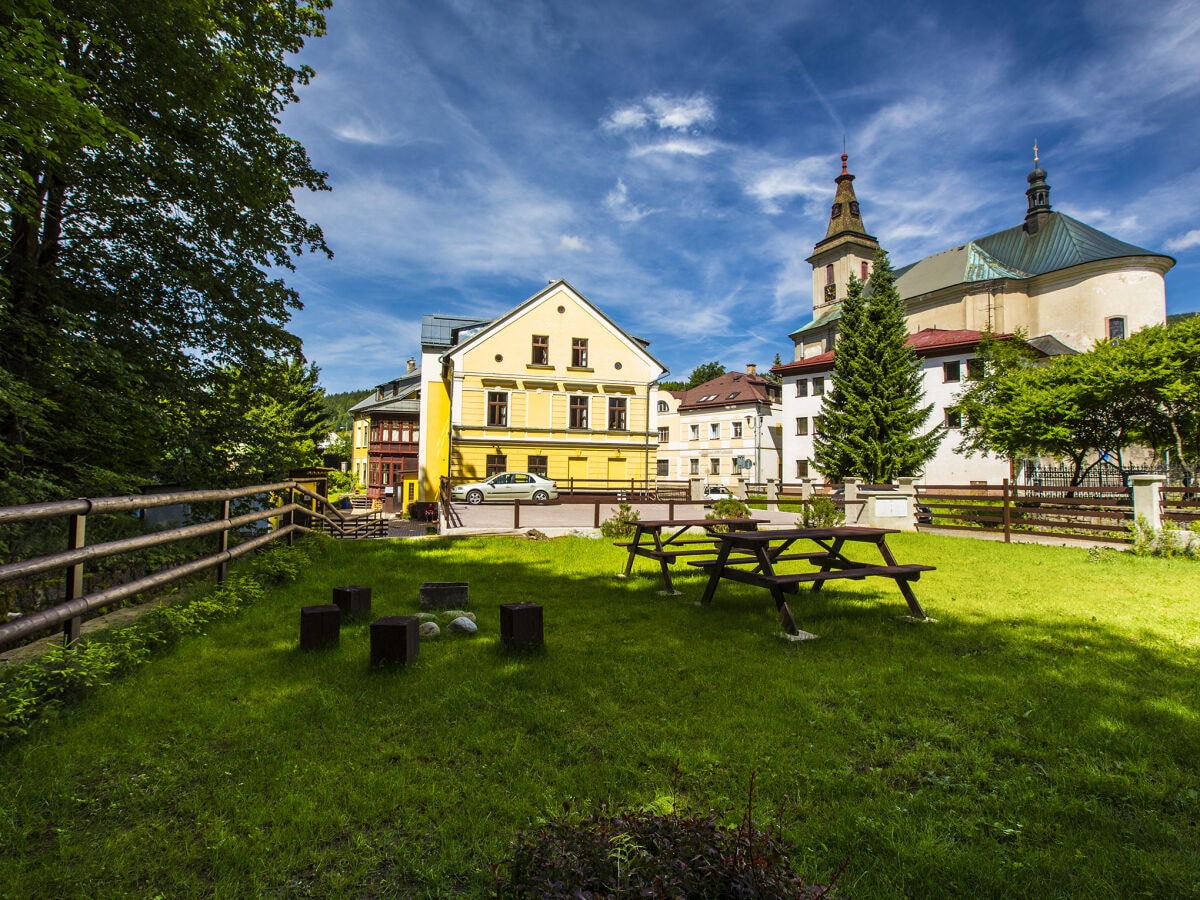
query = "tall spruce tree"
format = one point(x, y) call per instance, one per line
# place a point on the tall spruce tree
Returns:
point(872, 419)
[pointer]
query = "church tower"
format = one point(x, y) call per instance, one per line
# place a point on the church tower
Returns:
point(846, 250)
point(1038, 196)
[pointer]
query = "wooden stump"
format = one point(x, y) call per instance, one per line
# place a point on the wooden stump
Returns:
point(395, 639)
point(521, 625)
point(352, 599)
point(445, 595)
point(320, 626)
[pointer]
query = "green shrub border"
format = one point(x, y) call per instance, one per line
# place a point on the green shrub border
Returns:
point(33, 691)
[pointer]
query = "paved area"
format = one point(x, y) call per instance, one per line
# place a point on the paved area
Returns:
point(554, 519)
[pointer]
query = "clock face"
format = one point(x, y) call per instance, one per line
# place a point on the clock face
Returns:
point(830, 293)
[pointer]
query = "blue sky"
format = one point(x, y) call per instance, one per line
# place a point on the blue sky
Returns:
point(675, 161)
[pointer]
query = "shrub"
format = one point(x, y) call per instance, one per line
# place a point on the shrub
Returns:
point(648, 853)
point(1165, 542)
point(820, 512)
point(729, 508)
point(622, 523)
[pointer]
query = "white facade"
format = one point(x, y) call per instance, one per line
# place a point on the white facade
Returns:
point(726, 443)
point(945, 361)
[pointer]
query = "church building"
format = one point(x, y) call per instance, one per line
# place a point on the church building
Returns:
point(1062, 282)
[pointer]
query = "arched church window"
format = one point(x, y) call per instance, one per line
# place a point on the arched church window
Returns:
point(829, 274)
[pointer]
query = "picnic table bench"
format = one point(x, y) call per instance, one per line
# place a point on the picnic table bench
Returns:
point(650, 542)
point(762, 550)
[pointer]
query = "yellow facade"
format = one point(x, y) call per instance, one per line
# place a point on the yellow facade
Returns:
point(553, 386)
point(359, 447)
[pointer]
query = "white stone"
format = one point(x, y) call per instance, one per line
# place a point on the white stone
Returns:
point(429, 630)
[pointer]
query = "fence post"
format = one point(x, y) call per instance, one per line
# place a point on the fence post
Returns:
point(223, 543)
point(1147, 498)
point(1008, 510)
point(76, 538)
point(290, 518)
point(516, 513)
point(597, 513)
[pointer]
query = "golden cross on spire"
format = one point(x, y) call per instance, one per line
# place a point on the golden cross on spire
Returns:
point(1035, 153)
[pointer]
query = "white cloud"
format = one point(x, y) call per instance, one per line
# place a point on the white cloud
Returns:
point(618, 203)
point(1184, 241)
point(808, 178)
point(358, 131)
point(573, 242)
point(676, 147)
point(663, 112)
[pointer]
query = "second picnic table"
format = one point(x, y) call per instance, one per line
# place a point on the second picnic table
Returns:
point(762, 550)
point(649, 541)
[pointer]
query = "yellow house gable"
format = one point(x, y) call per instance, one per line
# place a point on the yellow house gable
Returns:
point(553, 386)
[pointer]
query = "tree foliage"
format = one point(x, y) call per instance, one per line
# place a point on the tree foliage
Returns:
point(1089, 407)
point(146, 195)
point(704, 372)
point(872, 417)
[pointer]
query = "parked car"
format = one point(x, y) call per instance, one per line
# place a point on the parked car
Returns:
point(715, 492)
point(507, 486)
point(924, 514)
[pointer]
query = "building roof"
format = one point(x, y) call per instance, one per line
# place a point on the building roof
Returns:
point(399, 395)
point(446, 331)
point(926, 342)
point(1060, 243)
point(468, 329)
point(730, 389)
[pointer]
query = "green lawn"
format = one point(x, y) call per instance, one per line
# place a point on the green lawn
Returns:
point(1041, 739)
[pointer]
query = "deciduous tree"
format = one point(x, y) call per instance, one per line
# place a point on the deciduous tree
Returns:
point(146, 206)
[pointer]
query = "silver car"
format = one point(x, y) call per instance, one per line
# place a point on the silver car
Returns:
point(507, 486)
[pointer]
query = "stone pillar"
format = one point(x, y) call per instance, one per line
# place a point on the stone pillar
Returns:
point(851, 485)
point(773, 490)
point(806, 489)
point(1147, 500)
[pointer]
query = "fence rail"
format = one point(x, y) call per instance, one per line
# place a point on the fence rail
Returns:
point(1094, 512)
point(272, 519)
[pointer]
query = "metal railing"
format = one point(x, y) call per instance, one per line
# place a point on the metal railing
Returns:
point(282, 521)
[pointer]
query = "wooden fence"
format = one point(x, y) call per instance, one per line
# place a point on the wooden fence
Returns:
point(276, 511)
point(1098, 513)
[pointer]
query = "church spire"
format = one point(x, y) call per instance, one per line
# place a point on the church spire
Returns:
point(844, 217)
point(845, 250)
point(1038, 194)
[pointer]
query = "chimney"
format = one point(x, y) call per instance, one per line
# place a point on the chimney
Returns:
point(412, 365)
point(751, 369)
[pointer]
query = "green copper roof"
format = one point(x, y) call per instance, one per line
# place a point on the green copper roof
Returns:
point(827, 317)
point(1061, 242)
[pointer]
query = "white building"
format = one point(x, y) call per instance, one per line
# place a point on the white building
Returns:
point(726, 431)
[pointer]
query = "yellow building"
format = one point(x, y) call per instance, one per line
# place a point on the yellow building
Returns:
point(552, 387)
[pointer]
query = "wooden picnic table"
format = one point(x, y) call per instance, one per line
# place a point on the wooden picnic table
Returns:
point(762, 550)
point(649, 541)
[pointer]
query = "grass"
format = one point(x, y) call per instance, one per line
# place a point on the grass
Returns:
point(1042, 738)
